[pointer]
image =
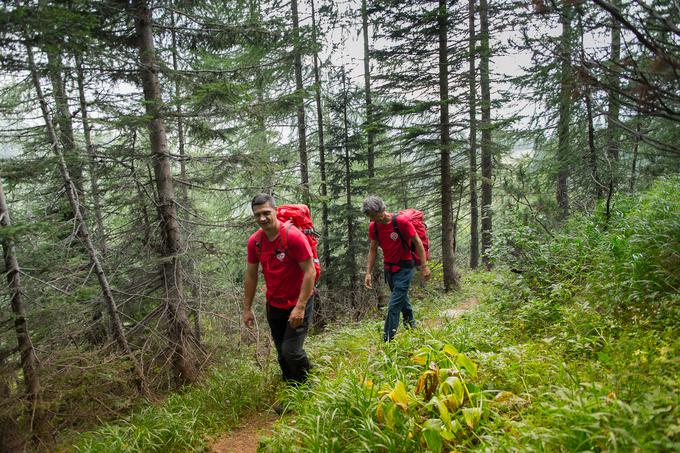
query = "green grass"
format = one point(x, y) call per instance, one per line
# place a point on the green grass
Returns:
point(185, 420)
point(579, 352)
point(582, 382)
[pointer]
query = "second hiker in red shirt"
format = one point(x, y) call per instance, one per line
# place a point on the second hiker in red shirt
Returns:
point(398, 259)
point(289, 275)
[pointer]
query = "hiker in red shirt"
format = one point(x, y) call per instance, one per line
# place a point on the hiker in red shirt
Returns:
point(289, 275)
point(398, 258)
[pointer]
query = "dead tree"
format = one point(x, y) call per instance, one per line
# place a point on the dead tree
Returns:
point(83, 231)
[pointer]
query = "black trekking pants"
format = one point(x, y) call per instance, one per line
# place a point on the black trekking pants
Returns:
point(288, 341)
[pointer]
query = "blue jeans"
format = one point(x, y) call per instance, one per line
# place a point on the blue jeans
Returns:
point(399, 283)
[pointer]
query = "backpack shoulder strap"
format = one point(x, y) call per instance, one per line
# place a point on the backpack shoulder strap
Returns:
point(258, 243)
point(375, 231)
point(283, 233)
point(396, 228)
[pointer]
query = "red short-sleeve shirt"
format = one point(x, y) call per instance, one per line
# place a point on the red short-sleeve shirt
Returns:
point(281, 269)
point(393, 249)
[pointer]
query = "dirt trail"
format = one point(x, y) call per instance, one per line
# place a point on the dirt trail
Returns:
point(461, 308)
point(246, 437)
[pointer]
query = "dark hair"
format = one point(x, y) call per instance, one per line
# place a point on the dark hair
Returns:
point(263, 198)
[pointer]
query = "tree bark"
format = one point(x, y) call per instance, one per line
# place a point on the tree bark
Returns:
point(186, 204)
point(326, 252)
point(563, 126)
point(92, 162)
point(351, 255)
point(451, 277)
point(636, 144)
point(29, 361)
point(370, 134)
point(592, 150)
point(300, 101)
point(182, 340)
point(97, 333)
point(84, 233)
point(474, 209)
point(62, 119)
point(614, 87)
point(485, 126)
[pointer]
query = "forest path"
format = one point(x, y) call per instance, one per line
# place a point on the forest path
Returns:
point(246, 437)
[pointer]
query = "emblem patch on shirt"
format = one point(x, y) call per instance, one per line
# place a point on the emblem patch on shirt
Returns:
point(394, 236)
point(280, 256)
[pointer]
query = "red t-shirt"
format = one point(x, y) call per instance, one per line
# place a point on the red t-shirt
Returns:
point(281, 269)
point(393, 249)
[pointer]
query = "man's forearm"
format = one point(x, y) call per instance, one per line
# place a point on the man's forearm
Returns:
point(249, 286)
point(370, 261)
point(307, 288)
point(420, 250)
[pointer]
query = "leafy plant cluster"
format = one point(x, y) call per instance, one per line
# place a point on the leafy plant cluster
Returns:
point(629, 262)
point(418, 393)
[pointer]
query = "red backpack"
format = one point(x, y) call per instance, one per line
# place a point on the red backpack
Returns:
point(298, 215)
point(417, 219)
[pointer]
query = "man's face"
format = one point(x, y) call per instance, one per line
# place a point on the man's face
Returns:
point(376, 216)
point(265, 215)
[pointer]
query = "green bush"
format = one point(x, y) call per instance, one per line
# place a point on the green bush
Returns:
point(631, 262)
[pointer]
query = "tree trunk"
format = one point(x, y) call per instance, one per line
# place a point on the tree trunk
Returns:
point(97, 332)
point(614, 102)
point(563, 132)
point(451, 277)
point(370, 134)
point(614, 87)
point(62, 119)
point(351, 249)
point(326, 252)
point(186, 204)
point(487, 161)
point(300, 101)
point(182, 340)
point(84, 233)
point(474, 210)
point(592, 151)
point(89, 147)
point(636, 143)
point(29, 361)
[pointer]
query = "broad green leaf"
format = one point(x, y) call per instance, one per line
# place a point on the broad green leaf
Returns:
point(443, 411)
point(389, 416)
point(432, 434)
point(454, 389)
point(472, 416)
point(399, 395)
point(447, 435)
point(463, 361)
point(450, 350)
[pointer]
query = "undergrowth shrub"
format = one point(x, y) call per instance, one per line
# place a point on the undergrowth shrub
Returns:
point(631, 262)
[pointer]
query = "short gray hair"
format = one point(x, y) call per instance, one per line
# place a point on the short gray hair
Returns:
point(373, 205)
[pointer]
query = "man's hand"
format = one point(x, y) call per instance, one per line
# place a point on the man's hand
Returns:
point(297, 316)
point(368, 281)
point(248, 318)
point(426, 272)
